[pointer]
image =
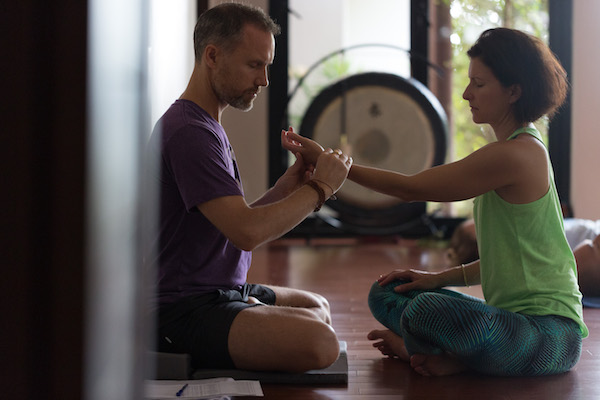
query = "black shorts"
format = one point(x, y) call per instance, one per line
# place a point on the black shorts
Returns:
point(199, 325)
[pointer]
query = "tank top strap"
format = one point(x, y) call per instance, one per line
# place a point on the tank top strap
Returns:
point(530, 129)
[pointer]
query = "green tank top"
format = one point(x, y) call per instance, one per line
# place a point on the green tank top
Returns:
point(526, 263)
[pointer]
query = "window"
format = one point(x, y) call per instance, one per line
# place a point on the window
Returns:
point(469, 19)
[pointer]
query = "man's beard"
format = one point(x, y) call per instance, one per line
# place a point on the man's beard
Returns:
point(241, 102)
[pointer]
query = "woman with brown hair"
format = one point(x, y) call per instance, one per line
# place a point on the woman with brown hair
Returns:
point(531, 320)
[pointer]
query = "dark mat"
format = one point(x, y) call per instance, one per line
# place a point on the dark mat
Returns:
point(337, 373)
point(592, 302)
point(170, 366)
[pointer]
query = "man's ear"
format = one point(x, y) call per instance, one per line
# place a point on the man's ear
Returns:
point(515, 93)
point(211, 53)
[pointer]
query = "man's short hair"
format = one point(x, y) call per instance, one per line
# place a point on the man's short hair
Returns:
point(222, 25)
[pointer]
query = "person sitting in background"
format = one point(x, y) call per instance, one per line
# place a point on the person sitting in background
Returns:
point(583, 236)
point(587, 256)
point(462, 248)
point(578, 230)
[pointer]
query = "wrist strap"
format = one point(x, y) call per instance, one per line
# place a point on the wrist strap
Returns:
point(332, 197)
point(319, 191)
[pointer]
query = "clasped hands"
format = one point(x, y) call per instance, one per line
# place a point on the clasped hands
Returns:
point(329, 166)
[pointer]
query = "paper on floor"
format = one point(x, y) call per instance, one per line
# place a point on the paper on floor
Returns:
point(201, 389)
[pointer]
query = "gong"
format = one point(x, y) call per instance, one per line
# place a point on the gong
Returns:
point(382, 120)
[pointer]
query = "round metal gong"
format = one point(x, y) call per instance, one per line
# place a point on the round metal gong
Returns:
point(385, 121)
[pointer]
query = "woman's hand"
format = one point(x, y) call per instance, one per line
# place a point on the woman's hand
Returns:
point(420, 280)
point(295, 143)
point(332, 168)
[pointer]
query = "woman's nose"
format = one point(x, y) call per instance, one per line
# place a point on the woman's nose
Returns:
point(466, 94)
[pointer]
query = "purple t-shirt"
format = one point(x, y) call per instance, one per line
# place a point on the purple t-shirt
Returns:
point(197, 165)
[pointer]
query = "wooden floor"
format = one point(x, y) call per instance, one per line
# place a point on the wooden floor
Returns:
point(343, 272)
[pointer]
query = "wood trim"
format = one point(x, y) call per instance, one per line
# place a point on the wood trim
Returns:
point(559, 133)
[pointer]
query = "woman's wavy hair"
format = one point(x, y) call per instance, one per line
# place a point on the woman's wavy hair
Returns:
point(518, 58)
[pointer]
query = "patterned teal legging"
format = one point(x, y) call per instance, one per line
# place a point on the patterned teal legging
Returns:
point(487, 339)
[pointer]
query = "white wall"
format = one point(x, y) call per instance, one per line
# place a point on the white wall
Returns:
point(170, 52)
point(248, 132)
point(323, 20)
point(585, 147)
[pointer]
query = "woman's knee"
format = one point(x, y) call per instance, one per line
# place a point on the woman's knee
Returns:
point(379, 293)
point(424, 308)
point(429, 302)
point(375, 292)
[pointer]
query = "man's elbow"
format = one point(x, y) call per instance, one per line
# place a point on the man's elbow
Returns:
point(245, 245)
point(247, 239)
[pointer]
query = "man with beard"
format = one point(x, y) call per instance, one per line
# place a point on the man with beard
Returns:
point(207, 231)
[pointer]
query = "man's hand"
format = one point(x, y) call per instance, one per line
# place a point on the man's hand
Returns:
point(332, 169)
point(294, 177)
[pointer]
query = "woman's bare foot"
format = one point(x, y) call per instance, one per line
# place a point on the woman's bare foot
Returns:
point(389, 344)
point(436, 364)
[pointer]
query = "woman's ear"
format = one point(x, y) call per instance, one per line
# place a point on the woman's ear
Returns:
point(515, 93)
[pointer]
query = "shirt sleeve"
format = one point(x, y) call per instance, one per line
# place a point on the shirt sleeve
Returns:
point(201, 163)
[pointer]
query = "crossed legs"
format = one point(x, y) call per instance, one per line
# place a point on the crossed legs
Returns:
point(388, 308)
point(443, 333)
point(294, 335)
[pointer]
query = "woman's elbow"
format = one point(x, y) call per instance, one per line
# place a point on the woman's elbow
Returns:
point(406, 196)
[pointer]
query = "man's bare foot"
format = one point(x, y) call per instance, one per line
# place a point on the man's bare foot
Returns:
point(389, 344)
point(436, 364)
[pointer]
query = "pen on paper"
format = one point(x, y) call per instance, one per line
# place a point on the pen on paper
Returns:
point(180, 391)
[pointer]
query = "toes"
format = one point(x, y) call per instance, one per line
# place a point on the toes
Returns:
point(375, 334)
point(417, 360)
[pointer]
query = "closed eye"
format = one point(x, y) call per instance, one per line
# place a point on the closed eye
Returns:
point(258, 65)
point(477, 83)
